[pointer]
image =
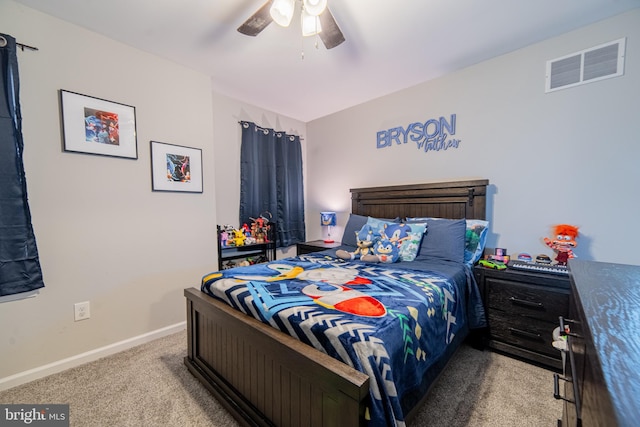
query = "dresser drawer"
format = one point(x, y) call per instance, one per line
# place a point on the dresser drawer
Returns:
point(523, 331)
point(527, 300)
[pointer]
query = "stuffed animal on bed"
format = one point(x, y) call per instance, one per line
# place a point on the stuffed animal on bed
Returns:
point(564, 242)
point(384, 251)
point(365, 239)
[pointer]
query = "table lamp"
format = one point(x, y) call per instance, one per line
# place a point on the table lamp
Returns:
point(328, 219)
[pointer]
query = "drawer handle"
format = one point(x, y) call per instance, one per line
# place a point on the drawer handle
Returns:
point(556, 387)
point(566, 329)
point(531, 304)
point(525, 333)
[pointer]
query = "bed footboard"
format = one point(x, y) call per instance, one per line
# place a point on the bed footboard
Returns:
point(264, 377)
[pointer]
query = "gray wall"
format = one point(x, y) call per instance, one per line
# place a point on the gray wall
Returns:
point(102, 234)
point(565, 157)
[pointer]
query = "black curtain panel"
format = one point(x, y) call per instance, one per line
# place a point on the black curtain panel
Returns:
point(271, 181)
point(19, 264)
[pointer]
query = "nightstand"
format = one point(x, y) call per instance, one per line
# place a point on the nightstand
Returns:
point(522, 309)
point(315, 246)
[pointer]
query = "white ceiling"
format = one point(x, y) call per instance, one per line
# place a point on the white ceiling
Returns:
point(390, 44)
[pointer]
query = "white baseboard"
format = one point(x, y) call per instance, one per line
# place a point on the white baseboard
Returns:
point(89, 356)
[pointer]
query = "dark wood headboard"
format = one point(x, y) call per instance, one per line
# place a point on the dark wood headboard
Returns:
point(454, 199)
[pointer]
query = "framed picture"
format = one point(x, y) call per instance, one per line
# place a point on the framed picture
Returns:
point(97, 126)
point(175, 168)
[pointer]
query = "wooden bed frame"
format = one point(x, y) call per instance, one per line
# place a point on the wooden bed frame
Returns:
point(267, 378)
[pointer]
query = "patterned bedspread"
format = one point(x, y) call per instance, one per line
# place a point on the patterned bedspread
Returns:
point(389, 323)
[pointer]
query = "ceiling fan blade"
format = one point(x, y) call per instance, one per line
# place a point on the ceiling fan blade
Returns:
point(258, 21)
point(330, 35)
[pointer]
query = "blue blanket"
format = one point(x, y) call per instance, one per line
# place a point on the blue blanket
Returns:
point(391, 324)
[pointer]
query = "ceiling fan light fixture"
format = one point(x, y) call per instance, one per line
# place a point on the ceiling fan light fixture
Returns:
point(282, 12)
point(315, 7)
point(310, 24)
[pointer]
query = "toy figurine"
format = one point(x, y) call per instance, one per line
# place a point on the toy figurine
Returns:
point(238, 237)
point(564, 242)
point(260, 228)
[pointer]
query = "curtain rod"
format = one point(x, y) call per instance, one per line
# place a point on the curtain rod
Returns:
point(26, 46)
point(281, 131)
point(3, 43)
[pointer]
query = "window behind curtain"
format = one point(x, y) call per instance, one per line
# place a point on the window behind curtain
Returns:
point(271, 181)
point(19, 264)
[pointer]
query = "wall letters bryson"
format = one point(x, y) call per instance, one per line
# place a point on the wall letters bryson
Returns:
point(429, 136)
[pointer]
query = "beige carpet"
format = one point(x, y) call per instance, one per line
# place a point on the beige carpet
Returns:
point(150, 386)
point(483, 388)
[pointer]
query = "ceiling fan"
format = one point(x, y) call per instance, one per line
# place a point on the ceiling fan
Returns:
point(316, 18)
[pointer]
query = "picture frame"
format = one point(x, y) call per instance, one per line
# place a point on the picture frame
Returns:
point(175, 168)
point(93, 125)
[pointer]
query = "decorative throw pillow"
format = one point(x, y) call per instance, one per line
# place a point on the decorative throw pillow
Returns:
point(407, 237)
point(475, 240)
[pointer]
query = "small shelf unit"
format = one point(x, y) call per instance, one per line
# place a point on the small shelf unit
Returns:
point(232, 256)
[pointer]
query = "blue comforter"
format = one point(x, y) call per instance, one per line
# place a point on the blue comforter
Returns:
point(385, 320)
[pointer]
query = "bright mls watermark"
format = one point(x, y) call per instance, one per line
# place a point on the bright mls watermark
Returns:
point(34, 415)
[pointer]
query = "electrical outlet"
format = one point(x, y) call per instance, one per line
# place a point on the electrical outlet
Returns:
point(82, 311)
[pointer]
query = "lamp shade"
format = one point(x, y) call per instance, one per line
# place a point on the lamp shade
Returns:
point(328, 218)
point(310, 24)
point(282, 12)
point(314, 7)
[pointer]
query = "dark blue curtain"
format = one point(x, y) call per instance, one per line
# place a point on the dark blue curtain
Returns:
point(271, 181)
point(19, 264)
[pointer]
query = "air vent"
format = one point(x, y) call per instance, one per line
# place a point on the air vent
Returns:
point(590, 65)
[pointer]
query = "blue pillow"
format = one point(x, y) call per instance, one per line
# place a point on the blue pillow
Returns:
point(475, 238)
point(445, 239)
point(354, 224)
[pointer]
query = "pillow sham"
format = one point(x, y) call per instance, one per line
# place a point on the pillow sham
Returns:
point(354, 224)
point(445, 239)
point(475, 238)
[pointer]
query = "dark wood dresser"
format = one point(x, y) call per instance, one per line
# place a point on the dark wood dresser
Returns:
point(602, 369)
